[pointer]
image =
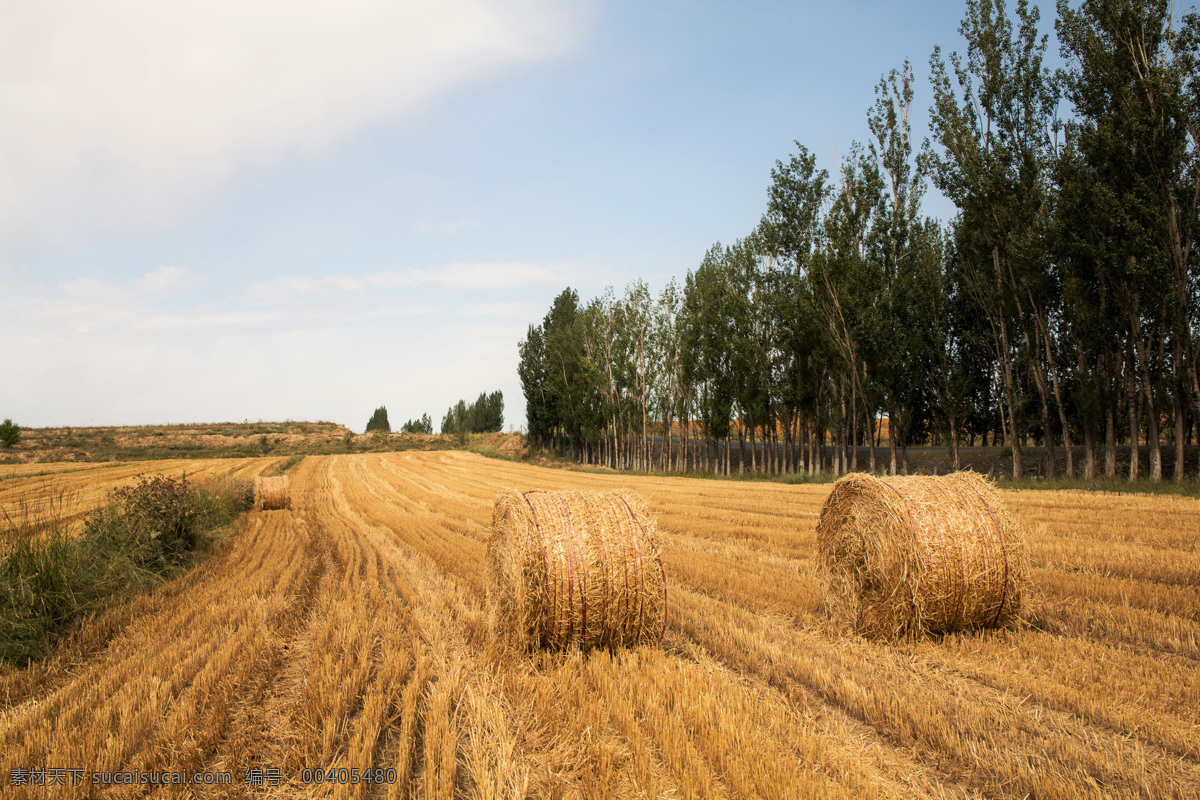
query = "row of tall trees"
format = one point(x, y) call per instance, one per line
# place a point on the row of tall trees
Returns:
point(421, 425)
point(1061, 305)
point(485, 415)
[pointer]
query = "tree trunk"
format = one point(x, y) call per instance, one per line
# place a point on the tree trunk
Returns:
point(870, 440)
point(765, 461)
point(1009, 385)
point(954, 438)
point(801, 435)
point(892, 441)
point(1048, 431)
point(789, 436)
point(787, 443)
point(773, 465)
point(1131, 394)
point(838, 438)
point(1062, 418)
point(1180, 435)
point(854, 429)
point(801, 443)
point(753, 446)
point(814, 448)
point(776, 462)
point(1039, 380)
point(682, 453)
point(820, 455)
point(1089, 451)
point(1152, 437)
point(610, 445)
point(1110, 440)
point(1058, 400)
point(741, 449)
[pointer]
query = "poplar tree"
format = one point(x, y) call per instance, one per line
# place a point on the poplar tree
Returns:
point(896, 216)
point(991, 127)
point(1132, 79)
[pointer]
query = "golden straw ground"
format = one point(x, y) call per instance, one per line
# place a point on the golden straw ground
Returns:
point(575, 569)
point(354, 633)
point(920, 554)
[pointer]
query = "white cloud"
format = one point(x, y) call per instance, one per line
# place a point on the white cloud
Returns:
point(444, 227)
point(199, 319)
point(125, 109)
point(471, 276)
point(157, 348)
point(166, 279)
point(481, 275)
point(516, 310)
point(90, 288)
point(284, 288)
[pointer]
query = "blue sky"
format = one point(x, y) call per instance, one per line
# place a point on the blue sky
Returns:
point(266, 210)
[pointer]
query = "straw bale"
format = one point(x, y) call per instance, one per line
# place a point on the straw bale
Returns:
point(575, 569)
point(909, 555)
point(272, 493)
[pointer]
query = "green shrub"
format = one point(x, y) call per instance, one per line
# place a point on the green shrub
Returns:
point(50, 578)
point(291, 462)
point(46, 582)
point(225, 499)
point(10, 434)
point(153, 521)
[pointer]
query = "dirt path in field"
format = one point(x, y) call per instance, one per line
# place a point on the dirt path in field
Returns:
point(350, 633)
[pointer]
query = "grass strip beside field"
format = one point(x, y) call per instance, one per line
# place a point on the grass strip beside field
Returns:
point(51, 577)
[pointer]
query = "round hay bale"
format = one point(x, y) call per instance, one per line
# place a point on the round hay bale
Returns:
point(919, 554)
point(272, 493)
point(575, 569)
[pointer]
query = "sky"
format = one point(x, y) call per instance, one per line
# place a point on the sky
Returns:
point(265, 210)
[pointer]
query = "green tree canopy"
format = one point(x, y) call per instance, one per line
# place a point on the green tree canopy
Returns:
point(379, 421)
point(485, 415)
point(10, 434)
point(422, 425)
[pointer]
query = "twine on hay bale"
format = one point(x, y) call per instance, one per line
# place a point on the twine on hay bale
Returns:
point(575, 569)
point(919, 554)
point(272, 493)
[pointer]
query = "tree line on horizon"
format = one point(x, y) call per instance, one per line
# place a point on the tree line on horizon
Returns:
point(1061, 305)
point(379, 423)
point(485, 415)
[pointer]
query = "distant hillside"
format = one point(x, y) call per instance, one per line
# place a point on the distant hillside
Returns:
point(230, 440)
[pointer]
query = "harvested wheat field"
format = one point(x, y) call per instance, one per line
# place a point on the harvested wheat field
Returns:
point(70, 490)
point(350, 632)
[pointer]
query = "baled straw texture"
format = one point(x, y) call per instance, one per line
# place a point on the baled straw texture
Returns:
point(272, 493)
point(911, 555)
point(575, 569)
